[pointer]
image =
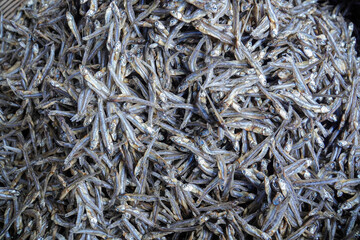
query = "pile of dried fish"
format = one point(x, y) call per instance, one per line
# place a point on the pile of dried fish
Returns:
point(179, 120)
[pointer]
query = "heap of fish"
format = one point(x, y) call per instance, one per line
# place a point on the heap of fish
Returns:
point(179, 120)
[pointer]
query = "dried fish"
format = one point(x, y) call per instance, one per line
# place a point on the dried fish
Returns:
point(186, 119)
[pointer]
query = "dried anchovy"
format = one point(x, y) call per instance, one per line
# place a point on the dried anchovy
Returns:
point(179, 120)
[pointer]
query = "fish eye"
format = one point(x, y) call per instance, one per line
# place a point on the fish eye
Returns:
point(179, 47)
point(173, 21)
